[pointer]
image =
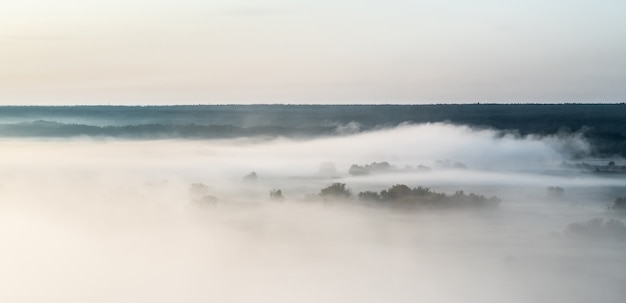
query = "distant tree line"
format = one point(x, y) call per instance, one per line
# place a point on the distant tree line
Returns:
point(597, 229)
point(402, 195)
point(601, 124)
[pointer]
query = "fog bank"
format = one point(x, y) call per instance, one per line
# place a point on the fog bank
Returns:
point(113, 220)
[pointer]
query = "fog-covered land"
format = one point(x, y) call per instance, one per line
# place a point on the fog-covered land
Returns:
point(448, 203)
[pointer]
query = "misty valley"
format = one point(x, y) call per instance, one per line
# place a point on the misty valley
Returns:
point(449, 203)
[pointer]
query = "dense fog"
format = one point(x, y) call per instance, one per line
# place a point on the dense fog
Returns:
point(110, 220)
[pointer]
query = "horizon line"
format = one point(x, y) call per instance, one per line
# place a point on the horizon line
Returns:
point(311, 104)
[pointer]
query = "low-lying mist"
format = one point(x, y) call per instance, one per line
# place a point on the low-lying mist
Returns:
point(106, 220)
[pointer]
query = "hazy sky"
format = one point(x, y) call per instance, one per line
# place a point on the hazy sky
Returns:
point(340, 51)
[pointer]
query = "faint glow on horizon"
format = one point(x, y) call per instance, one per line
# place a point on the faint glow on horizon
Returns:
point(142, 52)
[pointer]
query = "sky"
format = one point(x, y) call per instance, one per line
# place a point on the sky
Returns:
point(340, 51)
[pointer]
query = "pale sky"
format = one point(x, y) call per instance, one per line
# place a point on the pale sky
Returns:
point(341, 51)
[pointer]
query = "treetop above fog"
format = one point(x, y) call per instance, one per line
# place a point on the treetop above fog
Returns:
point(402, 195)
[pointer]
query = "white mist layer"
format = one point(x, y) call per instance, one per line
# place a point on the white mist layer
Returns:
point(112, 221)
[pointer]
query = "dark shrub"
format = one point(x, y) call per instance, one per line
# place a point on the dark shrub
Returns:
point(335, 191)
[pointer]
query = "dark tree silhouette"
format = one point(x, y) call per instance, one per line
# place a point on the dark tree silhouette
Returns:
point(619, 204)
point(397, 192)
point(276, 194)
point(335, 191)
point(598, 229)
point(357, 170)
point(375, 167)
point(369, 196)
point(401, 194)
point(251, 177)
point(555, 191)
